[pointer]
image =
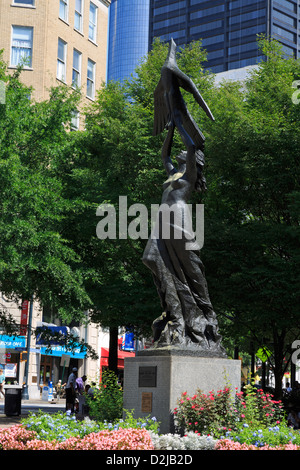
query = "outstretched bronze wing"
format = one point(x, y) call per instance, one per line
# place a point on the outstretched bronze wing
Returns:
point(170, 72)
point(161, 114)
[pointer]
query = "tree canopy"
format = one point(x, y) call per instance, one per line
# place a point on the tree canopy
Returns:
point(36, 257)
point(252, 220)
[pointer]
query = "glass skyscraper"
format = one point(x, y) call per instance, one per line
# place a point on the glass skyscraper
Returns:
point(128, 37)
point(228, 28)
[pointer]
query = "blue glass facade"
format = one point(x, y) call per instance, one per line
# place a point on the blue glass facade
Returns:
point(228, 28)
point(128, 37)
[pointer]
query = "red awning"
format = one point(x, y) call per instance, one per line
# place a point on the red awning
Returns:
point(121, 355)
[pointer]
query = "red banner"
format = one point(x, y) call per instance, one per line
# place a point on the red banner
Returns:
point(24, 316)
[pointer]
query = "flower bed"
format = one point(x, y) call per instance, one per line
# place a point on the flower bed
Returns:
point(211, 422)
point(213, 412)
point(227, 444)
point(253, 420)
point(19, 438)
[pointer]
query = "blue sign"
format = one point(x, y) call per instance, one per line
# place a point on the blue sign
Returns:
point(58, 351)
point(128, 342)
point(12, 342)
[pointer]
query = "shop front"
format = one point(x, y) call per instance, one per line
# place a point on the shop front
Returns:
point(57, 362)
point(12, 358)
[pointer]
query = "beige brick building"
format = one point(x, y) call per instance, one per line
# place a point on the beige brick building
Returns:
point(44, 364)
point(57, 41)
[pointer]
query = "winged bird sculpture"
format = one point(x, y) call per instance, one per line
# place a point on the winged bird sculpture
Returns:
point(169, 106)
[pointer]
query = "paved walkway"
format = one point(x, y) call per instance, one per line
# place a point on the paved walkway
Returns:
point(28, 406)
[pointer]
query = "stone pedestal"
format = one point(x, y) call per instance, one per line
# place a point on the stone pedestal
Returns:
point(155, 379)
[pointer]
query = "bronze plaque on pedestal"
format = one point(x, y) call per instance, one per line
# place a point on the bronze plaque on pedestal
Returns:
point(146, 402)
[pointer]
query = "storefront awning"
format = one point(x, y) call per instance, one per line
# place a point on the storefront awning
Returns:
point(121, 356)
point(58, 351)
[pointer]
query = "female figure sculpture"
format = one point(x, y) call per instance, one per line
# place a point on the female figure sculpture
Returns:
point(188, 319)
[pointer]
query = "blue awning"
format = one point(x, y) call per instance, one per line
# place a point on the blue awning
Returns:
point(58, 351)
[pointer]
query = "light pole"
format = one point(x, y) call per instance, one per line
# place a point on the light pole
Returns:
point(25, 390)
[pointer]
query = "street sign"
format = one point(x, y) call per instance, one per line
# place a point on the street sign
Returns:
point(65, 360)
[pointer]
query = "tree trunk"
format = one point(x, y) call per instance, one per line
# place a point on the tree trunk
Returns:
point(278, 363)
point(113, 350)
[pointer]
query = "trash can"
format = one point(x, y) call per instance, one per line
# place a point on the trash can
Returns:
point(12, 402)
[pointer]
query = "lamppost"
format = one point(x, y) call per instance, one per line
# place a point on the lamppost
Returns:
point(25, 390)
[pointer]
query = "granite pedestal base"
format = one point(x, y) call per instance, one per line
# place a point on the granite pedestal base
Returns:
point(155, 380)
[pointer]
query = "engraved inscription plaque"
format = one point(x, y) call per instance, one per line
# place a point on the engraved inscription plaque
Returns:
point(146, 402)
point(147, 376)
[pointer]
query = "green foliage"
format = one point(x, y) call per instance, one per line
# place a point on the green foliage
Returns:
point(57, 426)
point(217, 412)
point(148, 422)
point(258, 408)
point(37, 259)
point(205, 413)
point(60, 426)
point(272, 436)
point(252, 207)
point(107, 401)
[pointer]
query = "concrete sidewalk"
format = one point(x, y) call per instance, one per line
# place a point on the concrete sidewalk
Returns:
point(28, 406)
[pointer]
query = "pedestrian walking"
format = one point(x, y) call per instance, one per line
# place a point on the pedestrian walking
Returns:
point(71, 390)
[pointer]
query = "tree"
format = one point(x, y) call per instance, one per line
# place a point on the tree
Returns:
point(36, 257)
point(252, 218)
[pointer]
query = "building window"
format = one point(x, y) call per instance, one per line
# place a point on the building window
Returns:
point(78, 15)
point(251, 15)
point(21, 50)
point(91, 79)
point(76, 71)
point(241, 48)
point(207, 12)
point(93, 22)
point(61, 60)
point(75, 120)
point(63, 10)
point(213, 40)
point(24, 2)
point(284, 18)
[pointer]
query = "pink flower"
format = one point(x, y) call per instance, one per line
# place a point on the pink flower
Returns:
point(19, 438)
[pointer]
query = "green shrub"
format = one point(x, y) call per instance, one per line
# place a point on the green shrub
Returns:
point(205, 413)
point(107, 401)
point(258, 408)
point(215, 412)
